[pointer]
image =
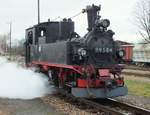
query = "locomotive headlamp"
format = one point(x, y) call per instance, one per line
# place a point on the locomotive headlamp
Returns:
point(105, 23)
point(82, 52)
point(121, 53)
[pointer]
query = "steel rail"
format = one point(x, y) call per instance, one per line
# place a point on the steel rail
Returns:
point(102, 108)
point(128, 107)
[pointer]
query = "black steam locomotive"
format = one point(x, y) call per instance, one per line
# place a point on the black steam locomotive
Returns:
point(86, 66)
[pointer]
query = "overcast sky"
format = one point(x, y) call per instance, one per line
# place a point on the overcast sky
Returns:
point(23, 14)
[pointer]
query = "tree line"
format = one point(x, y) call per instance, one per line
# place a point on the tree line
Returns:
point(17, 47)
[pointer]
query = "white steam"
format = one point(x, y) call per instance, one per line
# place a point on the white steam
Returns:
point(19, 83)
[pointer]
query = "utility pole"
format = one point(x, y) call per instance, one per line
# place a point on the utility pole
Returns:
point(10, 27)
point(38, 11)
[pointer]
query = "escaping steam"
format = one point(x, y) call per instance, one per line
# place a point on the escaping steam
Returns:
point(19, 83)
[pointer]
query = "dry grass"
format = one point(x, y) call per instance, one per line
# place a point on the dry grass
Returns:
point(138, 88)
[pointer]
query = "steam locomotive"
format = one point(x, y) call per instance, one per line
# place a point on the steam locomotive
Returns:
point(88, 66)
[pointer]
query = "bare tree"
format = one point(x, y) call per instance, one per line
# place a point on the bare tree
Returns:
point(3, 43)
point(142, 17)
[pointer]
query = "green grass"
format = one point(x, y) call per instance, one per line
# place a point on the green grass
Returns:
point(138, 88)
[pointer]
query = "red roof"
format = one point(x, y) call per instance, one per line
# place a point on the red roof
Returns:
point(123, 42)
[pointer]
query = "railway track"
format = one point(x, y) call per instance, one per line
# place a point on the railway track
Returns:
point(136, 71)
point(133, 67)
point(105, 106)
point(123, 108)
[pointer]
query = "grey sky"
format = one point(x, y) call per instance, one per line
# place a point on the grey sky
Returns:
point(23, 14)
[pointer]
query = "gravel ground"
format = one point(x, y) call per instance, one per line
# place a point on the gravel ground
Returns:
point(25, 107)
point(143, 102)
point(65, 107)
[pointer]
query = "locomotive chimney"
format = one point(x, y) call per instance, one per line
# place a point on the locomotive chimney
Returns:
point(92, 15)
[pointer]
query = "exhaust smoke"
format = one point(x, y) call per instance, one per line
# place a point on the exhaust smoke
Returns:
point(20, 83)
